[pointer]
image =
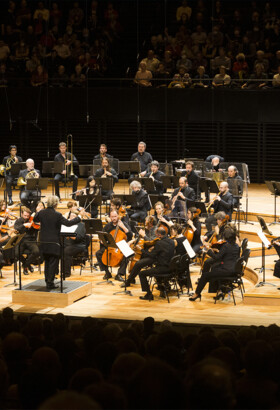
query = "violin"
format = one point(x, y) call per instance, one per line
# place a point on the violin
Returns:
point(113, 256)
point(7, 214)
point(122, 211)
point(34, 225)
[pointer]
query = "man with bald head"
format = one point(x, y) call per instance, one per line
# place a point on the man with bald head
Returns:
point(223, 202)
point(235, 184)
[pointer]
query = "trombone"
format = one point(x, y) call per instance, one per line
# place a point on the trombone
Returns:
point(68, 174)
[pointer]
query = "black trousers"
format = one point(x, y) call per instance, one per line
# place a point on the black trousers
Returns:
point(32, 250)
point(142, 263)
point(137, 215)
point(61, 177)
point(51, 267)
point(69, 252)
point(158, 270)
point(9, 181)
point(217, 272)
point(121, 270)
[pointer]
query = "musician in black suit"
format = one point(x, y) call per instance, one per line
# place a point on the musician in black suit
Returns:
point(224, 265)
point(29, 198)
point(235, 181)
point(223, 202)
point(103, 152)
point(141, 205)
point(51, 222)
point(180, 197)
point(106, 172)
point(143, 157)
point(161, 256)
point(192, 178)
point(67, 160)
point(156, 175)
point(13, 158)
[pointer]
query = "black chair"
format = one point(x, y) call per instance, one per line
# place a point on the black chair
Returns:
point(244, 245)
point(184, 278)
point(228, 284)
point(168, 282)
point(82, 257)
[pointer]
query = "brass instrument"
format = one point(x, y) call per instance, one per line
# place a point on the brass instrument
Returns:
point(31, 174)
point(211, 203)
point(10, 161)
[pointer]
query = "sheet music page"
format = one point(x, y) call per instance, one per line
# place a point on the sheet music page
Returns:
point(264, 239)
point(189, 249)
point(125, 248)
point(68, 229)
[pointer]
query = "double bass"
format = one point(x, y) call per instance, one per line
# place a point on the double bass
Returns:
point(113, 256)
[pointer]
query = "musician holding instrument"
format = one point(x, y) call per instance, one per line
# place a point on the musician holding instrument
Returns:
point(224, 261)
point(180, 197)
point(29, 198)
point(232, 177)
point(90, 189)
point(119, 230)
point(143, 157)
point(106, 172)
point(194, 225)
point(50, 221)
point(13, 158)
point(192, 178)
point(74, 245)
point(103, 152)
point(223, 201)
point(69, 160)
point(162, 220)
point(141, 205)
point(156, 175)
point(28, 244)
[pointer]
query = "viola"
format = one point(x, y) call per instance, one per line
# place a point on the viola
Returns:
point(113, 256)
point(122, 211)
point(137, 248)
point(34, 225)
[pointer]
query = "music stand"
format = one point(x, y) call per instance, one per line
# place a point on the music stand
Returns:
point(36, 184)
point(148, 184)
point(169, 181)
point(208, 186)
point(132, 167)
point(11, 244)
point(92, 226)
point(274, 188)
point(235, 188)
point(108, 242)
point(265, 230)
point(86, 201)
point(52, 167)
point(127, 253)
point(202, 207)
point(246, 180)
point(17, 167)
point(86, 171)
point(154, 198)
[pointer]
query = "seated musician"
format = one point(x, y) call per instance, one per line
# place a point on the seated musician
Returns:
point(179, 238)
point(215, 161)
point(73, 245)
point(195, 225)
point(66, 158)
point(160, 257)
point(106, 172)
point(143, 157)
point(141, 205)
point(116, 205)
point(13, 158)
point(180, 197)
point(221, 202)
point(161, 219)
point(103, 152)
point(28, 243)
point(6, 232)
point(72, 207)
point(109, 227)
point(156, 175)
point(233, 176)
point(29, 198)
point(192, 178)
point(224, 260)
point(90, 189)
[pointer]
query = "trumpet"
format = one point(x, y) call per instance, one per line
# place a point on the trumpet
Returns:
point(211, 203)
point(30, 175)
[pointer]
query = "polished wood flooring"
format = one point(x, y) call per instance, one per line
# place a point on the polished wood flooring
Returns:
point(104, 303)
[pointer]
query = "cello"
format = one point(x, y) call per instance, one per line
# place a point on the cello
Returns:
point(113, 256)
point(188, 230)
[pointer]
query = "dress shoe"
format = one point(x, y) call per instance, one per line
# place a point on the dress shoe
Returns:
point(31, 269)
point(107, 276)
point(193, 298)
point(25, 271)
point(219, 296)
point(119, 277)
point(125, 284)
point(162, 295)
point(148, 296)
point(10, 201)
point(52, 286)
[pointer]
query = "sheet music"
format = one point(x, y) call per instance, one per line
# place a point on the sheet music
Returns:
point(68, 229)
point(189, 249)
point(264, 239)
point(125, 248)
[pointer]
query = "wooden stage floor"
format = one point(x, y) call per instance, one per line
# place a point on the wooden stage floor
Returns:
point(103, 303)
